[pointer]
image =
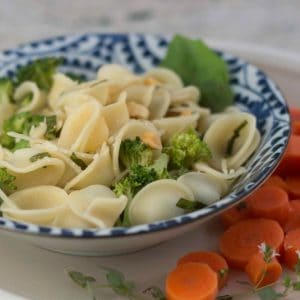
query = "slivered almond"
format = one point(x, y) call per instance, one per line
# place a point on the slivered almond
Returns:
point(137, 110)
point(152, 140)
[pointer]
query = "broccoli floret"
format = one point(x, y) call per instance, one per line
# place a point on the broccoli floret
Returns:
point(40, 71)
point(7, 181)
point(135, 152)
point(22, 123)
point(138, 177)
point(6, 90)
point(186, 148)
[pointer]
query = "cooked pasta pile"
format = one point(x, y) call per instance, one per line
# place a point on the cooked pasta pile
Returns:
point(66, 165)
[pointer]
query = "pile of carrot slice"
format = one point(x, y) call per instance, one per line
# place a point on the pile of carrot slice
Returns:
point(262, 234)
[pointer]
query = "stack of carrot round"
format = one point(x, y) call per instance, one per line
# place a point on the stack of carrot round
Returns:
point(262, 233)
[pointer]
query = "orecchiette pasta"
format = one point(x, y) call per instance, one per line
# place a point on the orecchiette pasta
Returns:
point(101, 153)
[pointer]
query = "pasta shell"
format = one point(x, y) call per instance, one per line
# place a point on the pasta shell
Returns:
point(44, 171)
point(85, 129)
point(171, 125)
point(157, 201)
point(221, 131)
point(97, 205)
point(99, 171)
point(37, 205)
point(61, 84)
point(165, 76)
point(131, 130)
point(205, 188)
point(38, 97)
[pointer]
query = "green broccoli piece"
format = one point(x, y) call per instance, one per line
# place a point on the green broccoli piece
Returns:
point(135, 152)
point(7, 181)
point(186, 148)
point(22, 123)
point(138, 177)
point(6, 90)
point(40, 71)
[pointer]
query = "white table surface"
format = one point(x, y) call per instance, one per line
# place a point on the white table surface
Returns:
point(33, 273)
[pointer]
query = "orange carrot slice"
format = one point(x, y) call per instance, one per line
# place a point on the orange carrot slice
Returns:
point(240, 241)
point(293, 184)
point(277, 181)
point(290, 164)
point(269, 202)
point(234, 214)
point(213, 259)
point(291, 245)
point(295, 113)
point(192, 281)
point(296, 127)
point(262, 273)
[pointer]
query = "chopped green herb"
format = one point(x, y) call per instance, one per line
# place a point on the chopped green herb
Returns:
point(268, 293)
point(39, 156)
point(7, 181)
point(236, 134)
point(40, 71)
point(203, 69)
point(76, 77)
point(52, 132)
point(20, 145)
point(189, 205)
point(78, 161)
point(6, 90)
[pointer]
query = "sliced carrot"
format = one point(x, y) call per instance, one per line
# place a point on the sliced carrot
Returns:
point(292, 223)
point(213, 259)
point(290, 163)
point(234, 214)
point(262, 273)
point(291, 245)
point(192, 281)
point(296, 127)
point(295, 113)
point(277, 181)
point(240, 241)
point(293, 184)
point(270, 202)
point(295, 206)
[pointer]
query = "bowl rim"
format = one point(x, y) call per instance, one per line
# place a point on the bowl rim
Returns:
point(142, 229)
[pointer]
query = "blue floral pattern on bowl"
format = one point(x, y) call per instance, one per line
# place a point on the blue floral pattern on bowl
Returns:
point(254, 92)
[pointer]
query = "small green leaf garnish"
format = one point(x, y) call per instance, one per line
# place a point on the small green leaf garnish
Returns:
point(24, 101)
point(20, 145)
point(118, 283)
point(76, 77)
point(198, 65)
point(236, 134)
point(268, 293)
point(39, 156)
point(79, 162)
point(155, 292)
point(51, 132)
point(7, 181)
point(40, 71)
point(81, 279)
point(189, 205)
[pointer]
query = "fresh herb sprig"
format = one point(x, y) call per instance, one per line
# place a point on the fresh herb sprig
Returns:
point(117, 282)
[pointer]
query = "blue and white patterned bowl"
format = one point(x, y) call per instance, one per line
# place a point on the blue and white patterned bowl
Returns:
point(83, 54)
